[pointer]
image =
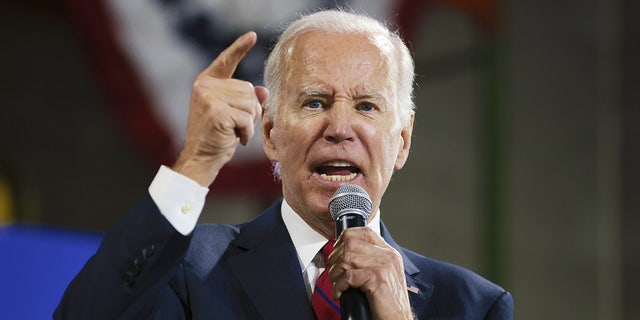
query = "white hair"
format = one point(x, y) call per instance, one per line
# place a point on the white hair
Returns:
point(400, 63)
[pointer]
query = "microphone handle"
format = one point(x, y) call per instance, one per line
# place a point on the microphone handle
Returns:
point(349, 221)
point(353, 302)
point(354, 305)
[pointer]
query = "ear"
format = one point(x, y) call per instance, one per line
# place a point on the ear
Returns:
point(267, 142)
point(405, 144)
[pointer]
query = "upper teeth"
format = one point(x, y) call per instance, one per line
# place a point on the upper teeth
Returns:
point(339, 164)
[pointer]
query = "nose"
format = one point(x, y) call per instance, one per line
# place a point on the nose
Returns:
point(340, 123)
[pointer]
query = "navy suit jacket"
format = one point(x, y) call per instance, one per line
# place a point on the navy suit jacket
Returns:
point(145, 269)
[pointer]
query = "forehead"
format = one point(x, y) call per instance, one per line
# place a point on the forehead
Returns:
point(333, 48)
point(352, 60)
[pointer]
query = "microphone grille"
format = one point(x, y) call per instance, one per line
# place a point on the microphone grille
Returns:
point(350, 199)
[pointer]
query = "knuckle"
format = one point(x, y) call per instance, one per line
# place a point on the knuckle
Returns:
point(395, 256)
point(224, 60)
point(370, 235)
point(345, 242)
point(248, 86)
point(349, 276)
point(248, 120)
point(349, 244)
point(348, 258)
point(200, 84)
point(197, 83)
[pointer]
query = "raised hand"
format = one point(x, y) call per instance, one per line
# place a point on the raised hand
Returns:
point(223, 111)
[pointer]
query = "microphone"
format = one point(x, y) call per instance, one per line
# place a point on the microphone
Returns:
point(350, 207)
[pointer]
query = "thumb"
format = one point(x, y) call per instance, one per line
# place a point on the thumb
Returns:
point(262, 93)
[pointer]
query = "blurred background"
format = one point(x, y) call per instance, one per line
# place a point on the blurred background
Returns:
point(524, 157)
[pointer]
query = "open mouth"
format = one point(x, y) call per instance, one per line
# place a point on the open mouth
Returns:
point(338, 171)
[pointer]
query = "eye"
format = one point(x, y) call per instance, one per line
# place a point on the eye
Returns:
point(365, 106)
point(314, 104)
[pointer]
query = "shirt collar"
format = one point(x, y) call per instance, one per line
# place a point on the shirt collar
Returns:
point(306, 240)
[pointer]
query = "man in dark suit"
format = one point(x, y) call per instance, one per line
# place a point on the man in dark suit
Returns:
point(338, 110)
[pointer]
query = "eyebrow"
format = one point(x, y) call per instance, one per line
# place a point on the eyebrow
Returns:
point(313, 93)
point(373, 95)
point(366, 94)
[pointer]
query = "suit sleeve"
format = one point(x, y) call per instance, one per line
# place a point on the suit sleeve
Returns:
point(502, 308)
point(129, 276)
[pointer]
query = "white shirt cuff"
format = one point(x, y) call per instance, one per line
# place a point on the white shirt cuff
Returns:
point(179, 199)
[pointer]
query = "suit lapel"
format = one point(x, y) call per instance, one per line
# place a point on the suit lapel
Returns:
point(269, 269)
point(419, 291)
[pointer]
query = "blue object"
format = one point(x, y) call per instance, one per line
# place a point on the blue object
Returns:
point(36, 265)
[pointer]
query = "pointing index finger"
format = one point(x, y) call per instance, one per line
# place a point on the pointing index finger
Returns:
point(227, 61)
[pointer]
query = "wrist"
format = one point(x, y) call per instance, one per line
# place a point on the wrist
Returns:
point(201, 171)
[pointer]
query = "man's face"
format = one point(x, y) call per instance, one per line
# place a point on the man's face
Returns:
point(337, 123)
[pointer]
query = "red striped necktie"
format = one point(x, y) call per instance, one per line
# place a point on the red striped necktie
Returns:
point(323, 305)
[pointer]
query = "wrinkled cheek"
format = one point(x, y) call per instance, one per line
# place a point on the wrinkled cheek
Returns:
point(391, 152)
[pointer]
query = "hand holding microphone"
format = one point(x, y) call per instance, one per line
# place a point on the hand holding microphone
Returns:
point(367, 273)
point(350, 207)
